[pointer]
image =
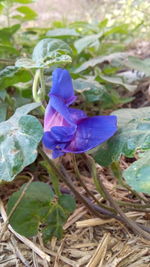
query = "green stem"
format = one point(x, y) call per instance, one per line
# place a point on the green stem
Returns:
point(94, 176)
point(35, 86)
point(85, 187)
point(53, 174)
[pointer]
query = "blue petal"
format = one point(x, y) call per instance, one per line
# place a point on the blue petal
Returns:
point(91, 132)
point(63, 134)
point(61, 108)
point(62, 85)
point(77, 114)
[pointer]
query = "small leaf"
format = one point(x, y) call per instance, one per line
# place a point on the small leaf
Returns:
point(29, 14)
point(137, 175)
point(87, 41)
point(62, 32)
point(32, 209)
point(19, 138)
point(12, 75)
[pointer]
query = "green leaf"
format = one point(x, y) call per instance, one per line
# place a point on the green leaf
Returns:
point(67, 202)
point(87, 41)
point(26, 63)
point(55, 221)
point(92, 90)
point(57, 216)
point(19, 138)
point(51, 51)
point(137, 175)
point(118, 80)
point(29, 14)
point(63, 32)
point(98, 60)
point(12, 75)
point(32, 209)
point(8, 50)
point(142, 65)
point(133, 136)
point(7, 33)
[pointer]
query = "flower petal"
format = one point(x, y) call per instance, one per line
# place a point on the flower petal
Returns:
point(77, 114)
point(52, 118)
point(91, 132)
point(62, 85)
point(61, 108)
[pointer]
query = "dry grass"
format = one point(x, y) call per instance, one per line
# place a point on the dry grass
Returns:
point(87, 241)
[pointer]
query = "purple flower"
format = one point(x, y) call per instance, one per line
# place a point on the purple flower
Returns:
point(70, 130)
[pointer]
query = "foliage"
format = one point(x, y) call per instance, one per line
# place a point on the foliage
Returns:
point(105, 78)
point(39, 211)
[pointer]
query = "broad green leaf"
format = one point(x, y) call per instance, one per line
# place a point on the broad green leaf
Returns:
point(12, 75)
point(133, 136)
point(32, 209)
point(29, 14)
point(98, 60)
point(57, 216)
point(118, 80)
point(51, 51)
point(63, 32)
point(137, 175)
point(87, 41)
point(142, 65)
point(19, 138)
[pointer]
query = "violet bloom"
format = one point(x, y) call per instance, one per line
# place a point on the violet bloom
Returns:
point(70, 130)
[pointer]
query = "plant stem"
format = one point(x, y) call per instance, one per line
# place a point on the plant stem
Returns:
point(85, 187)
point(52, 172)
point(35, 86)
point(95, 209)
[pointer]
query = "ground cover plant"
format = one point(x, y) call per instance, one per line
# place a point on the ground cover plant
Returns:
point(94, 116)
